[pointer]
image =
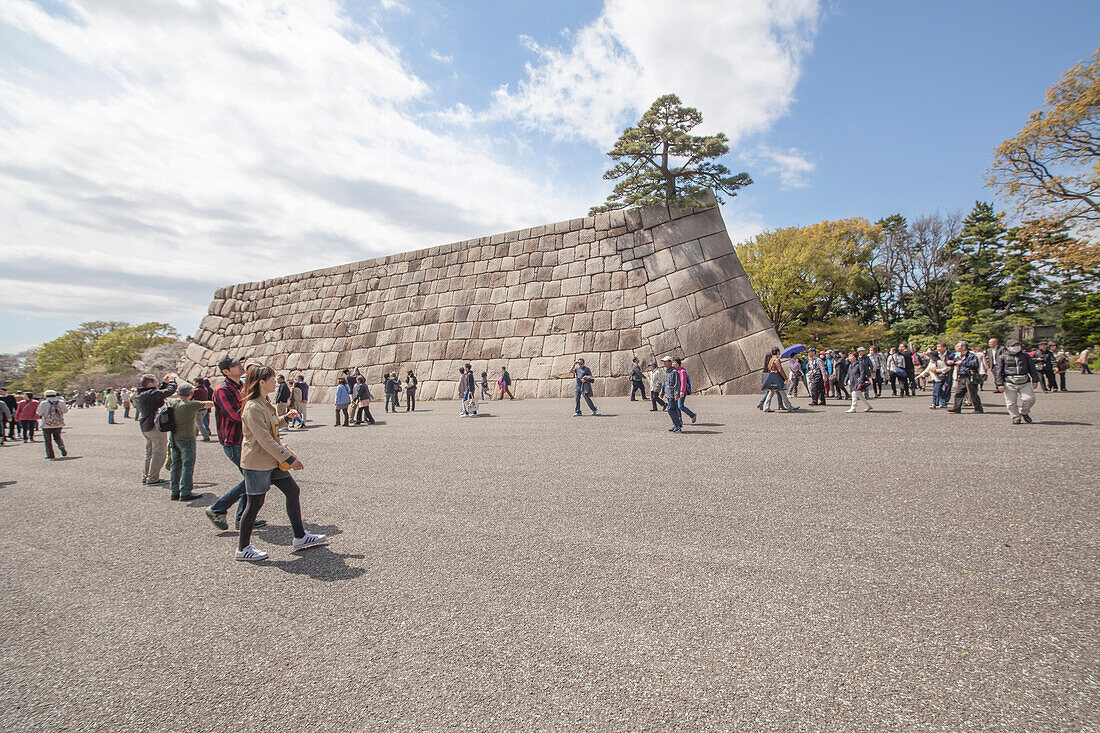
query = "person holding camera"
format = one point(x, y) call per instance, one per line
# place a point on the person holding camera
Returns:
point(583, 387)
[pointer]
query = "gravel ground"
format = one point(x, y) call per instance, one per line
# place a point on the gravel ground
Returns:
point(526, 570)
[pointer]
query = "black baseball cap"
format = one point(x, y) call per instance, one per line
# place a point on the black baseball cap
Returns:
point(228, 362)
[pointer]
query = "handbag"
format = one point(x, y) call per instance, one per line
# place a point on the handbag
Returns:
point(771, 380)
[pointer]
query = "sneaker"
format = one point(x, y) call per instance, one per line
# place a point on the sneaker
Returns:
point(255, 524)
point(851, 410)
point(64, 453)
point(158, 482)
point(250, 554)
point(1027, 418)
point(576, 414)
point(869, 409)
point(677, 430)
point(309, 540)
point(759, 405)
point(693, 416)
point(190, 497)
point(792, 409)
point(933, 407)
point(1016, 420)
point(218, 520)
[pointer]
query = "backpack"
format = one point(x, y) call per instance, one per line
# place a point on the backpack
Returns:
point(54, 417)
point(688, 379)
point(165, 418)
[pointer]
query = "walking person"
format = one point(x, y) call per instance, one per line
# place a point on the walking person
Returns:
point(895, 366)
point(13, 404)
point(656, 384)
point(467, 388)
point(1083, 360)
point(637, 380)
point(362, 401)
point(878, 364)
point(966, 378)
point(486, 394)
point(343, 400)
point(840, 376)
point(583, 387)
point(774, 382)
point(685, 389)
point(27, 414)
point(6, 418)
point(52, 411)
point(111, 403)
point(389, 389)
point(818, 376)
point(1061, 365)
point(227, 418)
point(794, 368)
point(937, 370)
point(859, 379)
point(181, 440)
point(410, 391)
point(266, 461)
point(670, 391)
point(203, 393)
point(303, 385)
point(150, 397)
point(1044, 362)
point(282, 396)
point(126, 397)
point(297, 406)
point(1015, 375)
point(505, 383)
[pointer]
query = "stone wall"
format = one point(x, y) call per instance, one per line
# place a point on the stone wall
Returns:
point(640, 282)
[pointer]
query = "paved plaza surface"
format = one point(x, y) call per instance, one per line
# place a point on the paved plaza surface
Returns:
point(527, 570)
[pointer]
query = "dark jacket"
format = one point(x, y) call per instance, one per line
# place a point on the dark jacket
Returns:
point(148, 400)
point(636, 373)
point(467, 382)
point(282, 394)
point(410, 383)
point(968, 366)
point(1014, 365)
point(362, 392)
point(859, 372)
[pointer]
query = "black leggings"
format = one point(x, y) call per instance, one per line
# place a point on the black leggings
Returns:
point(360, 413)
point(26, 429)
point(341, 411)
point(290, 489)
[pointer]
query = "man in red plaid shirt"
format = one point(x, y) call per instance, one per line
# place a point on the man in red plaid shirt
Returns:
point(227, 415)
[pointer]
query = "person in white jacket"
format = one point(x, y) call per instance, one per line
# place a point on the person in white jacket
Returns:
point(52, 413)
point(656, 382)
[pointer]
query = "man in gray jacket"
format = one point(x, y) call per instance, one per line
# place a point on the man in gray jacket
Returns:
point(670, 390)
point(637, 380)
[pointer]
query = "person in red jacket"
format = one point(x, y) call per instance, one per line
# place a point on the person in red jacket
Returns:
point(26, 413)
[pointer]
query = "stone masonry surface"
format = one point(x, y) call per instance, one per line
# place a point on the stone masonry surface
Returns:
point(639, 282)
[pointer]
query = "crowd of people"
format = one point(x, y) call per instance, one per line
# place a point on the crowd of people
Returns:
point(955, 377)
point(252, 406)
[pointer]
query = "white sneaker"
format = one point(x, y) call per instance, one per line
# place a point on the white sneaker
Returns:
point(869, 409)
point(309, 540)
point(852, 410)
point(251, 554)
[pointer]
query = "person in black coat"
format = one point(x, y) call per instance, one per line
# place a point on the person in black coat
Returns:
point(1015, 375)
point(859, 373)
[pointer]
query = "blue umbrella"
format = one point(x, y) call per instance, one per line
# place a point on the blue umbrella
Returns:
point(791, 351)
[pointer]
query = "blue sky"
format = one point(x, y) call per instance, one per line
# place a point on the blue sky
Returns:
point(151, 151)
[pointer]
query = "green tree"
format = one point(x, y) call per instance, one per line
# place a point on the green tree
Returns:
point(659, 161)
point(1081, 321)
point(806, 274)
point(978, 250)
point(119, 349)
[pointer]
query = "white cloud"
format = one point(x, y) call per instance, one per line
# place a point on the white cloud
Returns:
point(208, 141)
point(791, 165)
point(737, 62)
point(437, 56)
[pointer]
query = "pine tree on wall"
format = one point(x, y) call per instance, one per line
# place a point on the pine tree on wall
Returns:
point(658, 161)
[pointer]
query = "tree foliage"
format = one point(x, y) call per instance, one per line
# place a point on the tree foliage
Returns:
point(660, 161)
point(95, 347)
point(1051, 168)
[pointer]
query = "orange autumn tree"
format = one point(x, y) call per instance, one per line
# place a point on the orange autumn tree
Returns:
point(1051, 170)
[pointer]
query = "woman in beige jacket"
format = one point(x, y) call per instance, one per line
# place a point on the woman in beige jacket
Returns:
point(266, 461)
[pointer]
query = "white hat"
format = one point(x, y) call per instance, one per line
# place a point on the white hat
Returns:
point(666, 358)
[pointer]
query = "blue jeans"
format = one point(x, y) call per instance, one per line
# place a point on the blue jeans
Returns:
point(110, 417)
point(578, 392)
point(221, 506)
point(674, 413)
point(181, 466)
point(683, 408)
point(941, 393)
